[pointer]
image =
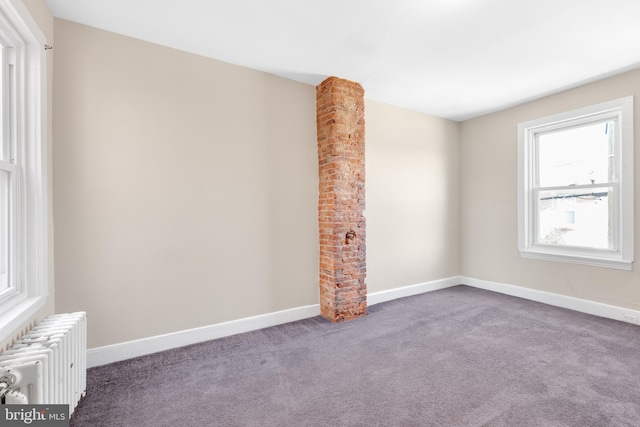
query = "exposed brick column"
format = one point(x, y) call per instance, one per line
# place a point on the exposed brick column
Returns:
point(341, 203)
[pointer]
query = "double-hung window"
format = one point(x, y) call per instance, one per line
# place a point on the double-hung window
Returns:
point(9, 172)
point(575, 184)
point(23, 172)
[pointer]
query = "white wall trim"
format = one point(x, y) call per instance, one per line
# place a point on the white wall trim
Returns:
point(584, 306)
point(407, 291)
point(126, 350)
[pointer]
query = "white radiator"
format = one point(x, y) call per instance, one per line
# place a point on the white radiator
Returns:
point(47, 365)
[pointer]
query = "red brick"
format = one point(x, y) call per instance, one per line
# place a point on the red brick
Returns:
point(340, 130)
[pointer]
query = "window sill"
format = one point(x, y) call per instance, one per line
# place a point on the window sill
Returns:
point(615, 263)
point(19, 314)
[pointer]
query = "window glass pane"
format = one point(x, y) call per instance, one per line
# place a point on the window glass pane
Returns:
point(576, 156)
point(576, 218)
point(4, 229)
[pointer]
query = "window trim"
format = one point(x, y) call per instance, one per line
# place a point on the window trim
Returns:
point(622, 256)
point(31, 289)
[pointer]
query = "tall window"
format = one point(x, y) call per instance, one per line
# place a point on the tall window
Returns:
point(8, 175)
point(23, 198)
point(576, 186)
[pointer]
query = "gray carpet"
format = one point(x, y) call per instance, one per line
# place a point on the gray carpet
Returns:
point(455, 357)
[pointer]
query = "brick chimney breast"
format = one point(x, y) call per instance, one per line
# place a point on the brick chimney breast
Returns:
point(341, 202)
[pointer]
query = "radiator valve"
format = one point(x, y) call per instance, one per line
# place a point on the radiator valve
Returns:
point(14, 397)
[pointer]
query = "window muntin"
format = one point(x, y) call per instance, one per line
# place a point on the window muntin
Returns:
point(575, 184)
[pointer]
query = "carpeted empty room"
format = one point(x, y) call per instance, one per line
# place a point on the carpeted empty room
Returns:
point(237, 213)
point(455, 357)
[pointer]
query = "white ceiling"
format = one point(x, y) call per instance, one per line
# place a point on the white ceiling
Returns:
point(450, 58)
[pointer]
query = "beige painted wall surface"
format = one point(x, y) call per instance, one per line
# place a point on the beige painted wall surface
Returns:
point(489, 202)
point(412, 185)
point(185, 188)
point(41, 14)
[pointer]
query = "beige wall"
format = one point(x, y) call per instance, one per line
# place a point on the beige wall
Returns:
point(186, 191)
point(412, 197)
point(185, 188)
point(40, 13)
point(489, 202)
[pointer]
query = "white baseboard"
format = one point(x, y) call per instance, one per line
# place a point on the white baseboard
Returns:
point(407, 291)
point(126, 350)
point(576, 304)
point(116, 352)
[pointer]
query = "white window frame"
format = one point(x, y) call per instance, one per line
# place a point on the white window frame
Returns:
point(29, 288)
point(621, 256)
